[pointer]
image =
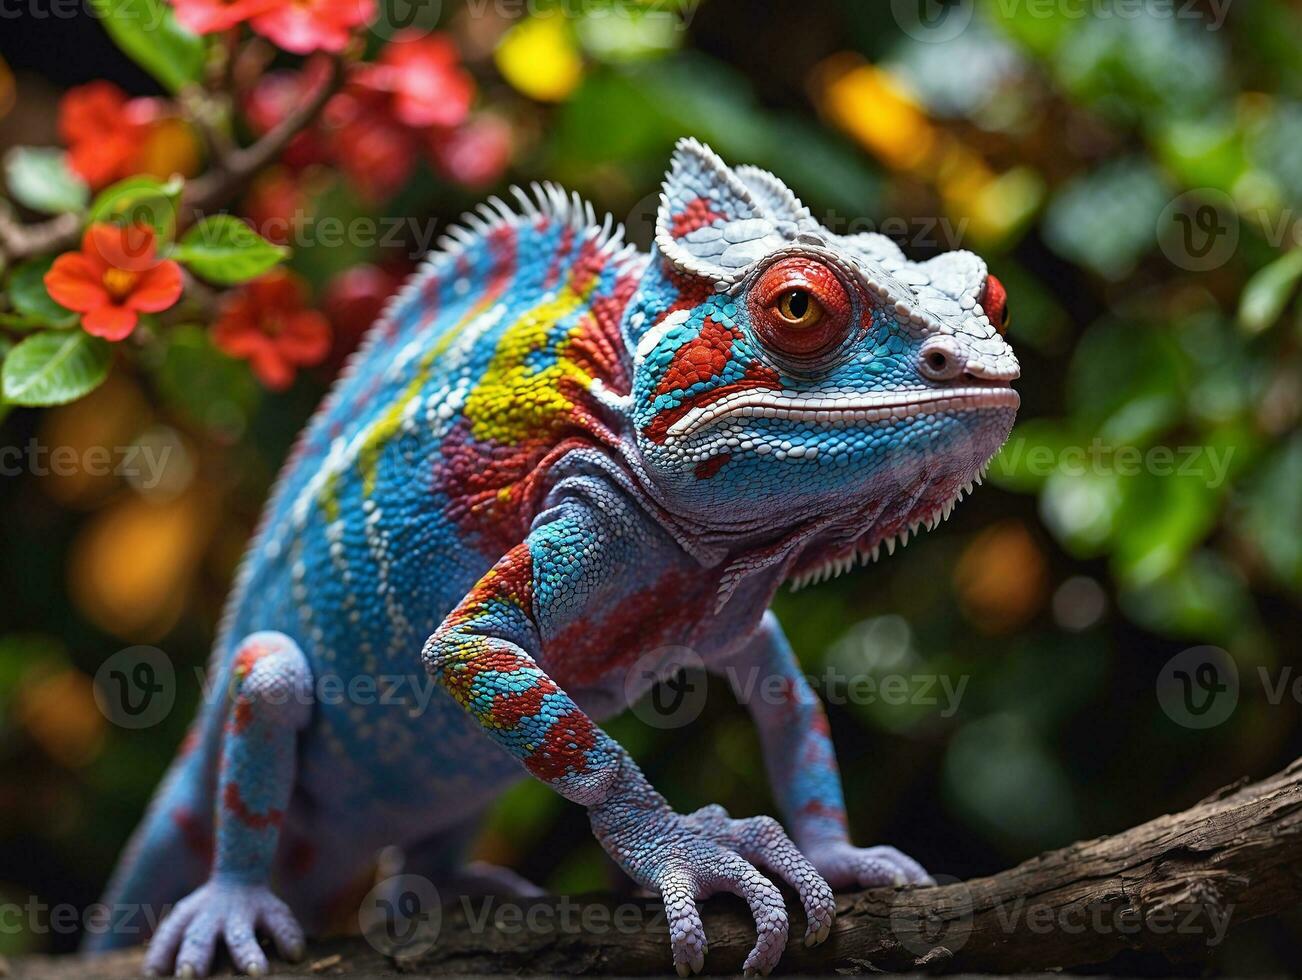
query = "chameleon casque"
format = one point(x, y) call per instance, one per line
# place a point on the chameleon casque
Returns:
point(553, 456)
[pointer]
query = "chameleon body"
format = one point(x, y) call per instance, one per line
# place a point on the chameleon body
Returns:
point(554, 458)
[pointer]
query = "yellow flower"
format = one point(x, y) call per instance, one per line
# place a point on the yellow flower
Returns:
point(540, 57)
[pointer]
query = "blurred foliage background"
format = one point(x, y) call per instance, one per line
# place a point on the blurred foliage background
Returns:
point(1133, 174)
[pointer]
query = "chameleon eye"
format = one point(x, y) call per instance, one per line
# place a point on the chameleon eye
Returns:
point(799, 308)
point(994, 301)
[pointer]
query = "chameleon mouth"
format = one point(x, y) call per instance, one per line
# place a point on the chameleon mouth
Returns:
point(843, 409)
point(868, 546)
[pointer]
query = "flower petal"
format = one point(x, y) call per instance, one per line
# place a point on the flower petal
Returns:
point(158, 289)
point(132, 247)
point(239, 337)
point(88, 112)
point(277, 290)
point(74, 282)
point(110, 322)
point(305, 337)
point(211, 16)
point(300, 31)
point(272, 370)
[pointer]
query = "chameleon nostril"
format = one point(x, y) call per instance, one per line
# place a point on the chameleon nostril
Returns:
point(939, 361)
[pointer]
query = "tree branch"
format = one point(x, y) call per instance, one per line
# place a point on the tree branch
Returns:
point(1168, 889)
point(229, 174)
point(19, 241)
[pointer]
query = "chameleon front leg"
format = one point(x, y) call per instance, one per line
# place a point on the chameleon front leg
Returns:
point(486, 655)
point(269, 703)
point(802, 765)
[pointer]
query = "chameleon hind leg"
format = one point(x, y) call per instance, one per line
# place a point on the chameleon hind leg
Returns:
point(442, 859)
point(268, 704)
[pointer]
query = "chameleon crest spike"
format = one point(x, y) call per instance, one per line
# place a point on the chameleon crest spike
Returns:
point(553, 459)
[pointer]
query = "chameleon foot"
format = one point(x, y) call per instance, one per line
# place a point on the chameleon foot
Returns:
point(847, 866)
point(687, 858)
point(188, 937)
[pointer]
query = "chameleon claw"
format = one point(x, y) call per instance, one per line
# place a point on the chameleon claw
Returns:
point(816, 936)
point(185, 971)
point(698, 962)
point(815, 933)
point(684, 970)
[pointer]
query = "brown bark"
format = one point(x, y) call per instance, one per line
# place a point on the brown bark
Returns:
point(1169, 888)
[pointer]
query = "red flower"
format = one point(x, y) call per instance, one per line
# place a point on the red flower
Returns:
point(424, 76)
point(211, 16)
point(278, 203)
point(113, 279)
point(303, 26)
point(275, 95)
point(104, 131)
point(268, 324)
point(375, 151)
point(473, 155)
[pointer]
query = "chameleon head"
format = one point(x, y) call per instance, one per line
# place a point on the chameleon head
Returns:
point(788, 377)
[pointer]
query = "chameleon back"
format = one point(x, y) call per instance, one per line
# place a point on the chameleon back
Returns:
point(427, 460)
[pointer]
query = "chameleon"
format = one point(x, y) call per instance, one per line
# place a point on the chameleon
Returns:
point(555, 460)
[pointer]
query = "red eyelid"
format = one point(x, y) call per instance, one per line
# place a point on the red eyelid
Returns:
point(820, 281)
point(775, 289)
point(994, 299)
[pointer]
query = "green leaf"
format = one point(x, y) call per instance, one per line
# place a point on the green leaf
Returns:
point(204, 385)
point(39, 177)
point(1032, 454)
point(30, 299)
point(1163, 517)
point(226, 251)
point(1104, 218)
point(1203, 598)
point(140, 200)
point(1268, 292)
point(53, 368)
point(18, 321)
point(148, 33)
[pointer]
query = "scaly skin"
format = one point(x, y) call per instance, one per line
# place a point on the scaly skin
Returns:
point(553, 457)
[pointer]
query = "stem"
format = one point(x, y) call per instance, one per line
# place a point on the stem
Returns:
point(19, 241)
point(230, 174)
